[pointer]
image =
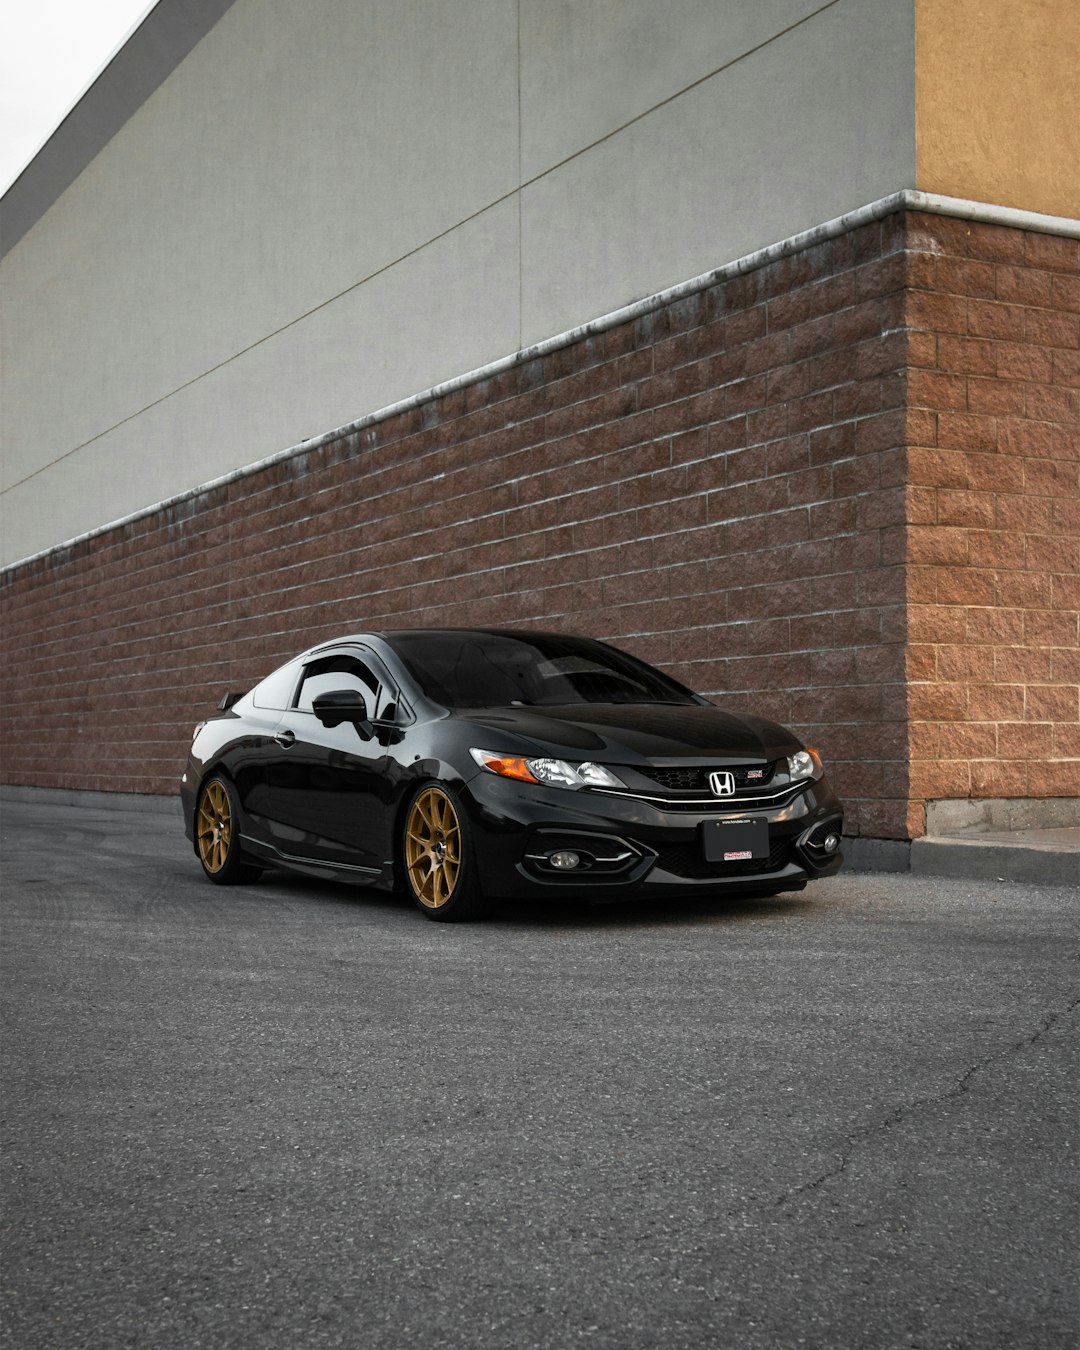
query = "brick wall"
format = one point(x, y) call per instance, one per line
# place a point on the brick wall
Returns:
point(994, 509)
point(721, 487)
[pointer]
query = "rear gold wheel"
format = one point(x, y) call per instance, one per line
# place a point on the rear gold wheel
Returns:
point(438, 871)
point(217, 835)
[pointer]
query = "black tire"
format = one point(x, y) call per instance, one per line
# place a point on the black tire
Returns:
point(436, 858)
point(217, 835)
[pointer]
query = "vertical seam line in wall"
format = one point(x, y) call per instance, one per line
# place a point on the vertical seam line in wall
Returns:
point(520, 194)
point(380, 271)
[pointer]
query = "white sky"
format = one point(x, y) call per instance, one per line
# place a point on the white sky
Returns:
point(51, 51)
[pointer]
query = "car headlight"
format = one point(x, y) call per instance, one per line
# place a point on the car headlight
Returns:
point(551, 772)
point(804, 764)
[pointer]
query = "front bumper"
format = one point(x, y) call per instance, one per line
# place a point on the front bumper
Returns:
point(627, 847)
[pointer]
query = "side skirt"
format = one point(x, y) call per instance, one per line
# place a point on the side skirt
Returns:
point(315, 867)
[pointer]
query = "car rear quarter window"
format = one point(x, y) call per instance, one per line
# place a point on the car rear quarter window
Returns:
point(276, 691)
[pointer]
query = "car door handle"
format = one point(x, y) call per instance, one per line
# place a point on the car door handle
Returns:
point(284, 738)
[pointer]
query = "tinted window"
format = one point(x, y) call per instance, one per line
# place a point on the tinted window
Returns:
point(482, 670)
point(277, 689)
point(337, 672)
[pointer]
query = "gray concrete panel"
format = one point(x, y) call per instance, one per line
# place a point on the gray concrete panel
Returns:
point(811, 125)
point(296, 154)
point(436, 313)
point(588, 69)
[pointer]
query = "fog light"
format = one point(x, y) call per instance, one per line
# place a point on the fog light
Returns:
point(564, 859)
point(832, 843)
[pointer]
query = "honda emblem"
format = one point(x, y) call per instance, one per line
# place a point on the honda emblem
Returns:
point(723, 783)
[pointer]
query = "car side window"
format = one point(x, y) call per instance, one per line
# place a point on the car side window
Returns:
point(276, 691)
point(339, 672)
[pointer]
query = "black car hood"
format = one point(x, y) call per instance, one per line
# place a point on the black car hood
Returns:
point(630, 733)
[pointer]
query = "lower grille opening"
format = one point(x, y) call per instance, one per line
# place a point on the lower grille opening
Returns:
point(687, 860)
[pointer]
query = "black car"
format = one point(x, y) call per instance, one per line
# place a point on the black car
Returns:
point(464, 765)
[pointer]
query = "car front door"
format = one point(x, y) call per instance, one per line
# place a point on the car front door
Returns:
point(329, 787)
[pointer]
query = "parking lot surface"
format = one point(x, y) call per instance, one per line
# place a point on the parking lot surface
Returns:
point(299, 1114)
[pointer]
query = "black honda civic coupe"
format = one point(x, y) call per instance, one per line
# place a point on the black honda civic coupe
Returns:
point(469, 765)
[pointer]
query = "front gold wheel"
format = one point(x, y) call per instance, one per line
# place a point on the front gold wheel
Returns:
point(433, 849)
point(437, 857)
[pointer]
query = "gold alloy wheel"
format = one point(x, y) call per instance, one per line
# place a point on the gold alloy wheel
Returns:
point(215, 826)
point(433, 848)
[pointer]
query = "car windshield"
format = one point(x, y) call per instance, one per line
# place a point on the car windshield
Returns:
point(484, 670)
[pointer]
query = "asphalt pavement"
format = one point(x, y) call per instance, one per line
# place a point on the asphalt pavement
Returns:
point(297, 1114)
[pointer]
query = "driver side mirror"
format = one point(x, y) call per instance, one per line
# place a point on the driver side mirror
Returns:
point(343, 705)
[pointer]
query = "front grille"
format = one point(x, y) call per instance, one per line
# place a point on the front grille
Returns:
point(687, 860)
point(697, 780)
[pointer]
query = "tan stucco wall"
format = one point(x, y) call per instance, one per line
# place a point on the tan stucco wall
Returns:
point(997, 102)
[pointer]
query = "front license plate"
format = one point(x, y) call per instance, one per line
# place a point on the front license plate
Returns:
point(736, 840)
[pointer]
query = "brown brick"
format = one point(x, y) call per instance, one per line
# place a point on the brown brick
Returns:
point(1064, 442)
point(965, 431)
point(1065, 293)
point(995, 702)
point(936, 623)
point(986, 623)
point(996, 398)
point(967, 740)
point(745, 325)
point(990, 778)
point(944, 546)
point(1049, 328)
point(962, 277)
point(975, 509)
point(931, 389)
point(965, 586)
point(1065, 589)
point(968, 239)
point(1054, 252)
point(1049, 627)
point(967, 356)
point(1052, 478)
point(1057, 778)
point(938, 313)
point(938, 468)
point(990, 319)
point(1066, 368)
point(1025, 740)
point(1017, 589)
point(1052, 703)
point(941, 778)
point(922, 348)
point(1024, 286)
point(1020, 665)
point(1067, 742)
point(1028, 440)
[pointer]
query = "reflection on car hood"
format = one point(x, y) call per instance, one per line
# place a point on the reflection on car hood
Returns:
point(629, 733)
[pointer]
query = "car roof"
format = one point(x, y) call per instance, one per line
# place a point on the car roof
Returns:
point(388, 634)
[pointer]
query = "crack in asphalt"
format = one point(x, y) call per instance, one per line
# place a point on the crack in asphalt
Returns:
point(957, 1090)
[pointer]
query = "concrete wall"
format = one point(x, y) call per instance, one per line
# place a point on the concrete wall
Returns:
point(326, 208)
